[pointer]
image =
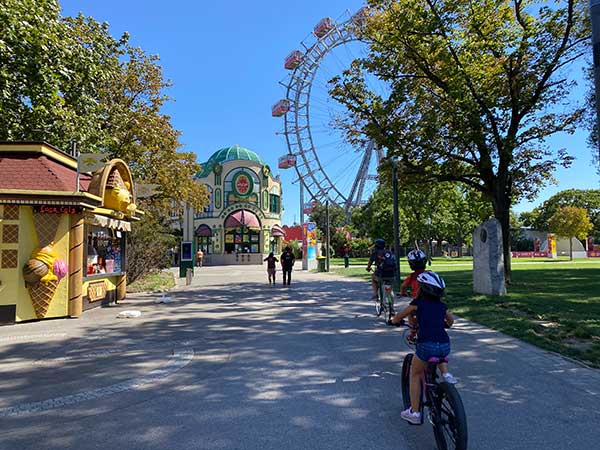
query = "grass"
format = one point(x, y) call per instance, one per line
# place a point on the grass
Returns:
point(156, 281)
point(552, 304)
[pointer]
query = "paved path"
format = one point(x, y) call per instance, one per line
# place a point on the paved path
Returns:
point(235, 364)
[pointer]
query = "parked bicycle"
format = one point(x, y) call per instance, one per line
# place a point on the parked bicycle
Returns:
point(446, 412)
point(385, 303)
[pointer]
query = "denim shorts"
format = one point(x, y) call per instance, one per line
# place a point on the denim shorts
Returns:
point(426, 350)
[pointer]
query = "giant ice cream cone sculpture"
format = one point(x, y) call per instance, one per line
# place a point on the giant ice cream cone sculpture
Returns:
point(45, 227)
point(42, 274)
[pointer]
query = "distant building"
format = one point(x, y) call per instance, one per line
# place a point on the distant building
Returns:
point(242, 223)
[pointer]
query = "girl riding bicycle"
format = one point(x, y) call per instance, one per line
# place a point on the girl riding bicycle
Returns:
point(417, 261)
point(432, 317)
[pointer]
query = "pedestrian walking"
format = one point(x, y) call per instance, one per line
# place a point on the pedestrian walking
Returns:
point(287, 262)
point(271, 267)
point(199, 257)
point(346, 253)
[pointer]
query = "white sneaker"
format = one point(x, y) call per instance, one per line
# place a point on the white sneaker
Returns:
point(412, 417)
point(449, 378)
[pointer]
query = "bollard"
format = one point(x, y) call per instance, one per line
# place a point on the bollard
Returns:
point(189, 273)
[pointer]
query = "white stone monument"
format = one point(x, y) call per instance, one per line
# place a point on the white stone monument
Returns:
point(488, 259)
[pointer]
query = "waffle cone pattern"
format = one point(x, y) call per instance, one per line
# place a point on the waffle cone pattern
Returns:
point(41, 296)
point(46, 226)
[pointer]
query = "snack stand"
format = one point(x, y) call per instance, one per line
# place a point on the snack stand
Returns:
point(62, 233)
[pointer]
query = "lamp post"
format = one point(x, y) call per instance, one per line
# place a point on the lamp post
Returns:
point(396, 218)
point(595, 19)
point(327, 233)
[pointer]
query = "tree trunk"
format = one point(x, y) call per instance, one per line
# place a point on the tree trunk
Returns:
point(570, 249)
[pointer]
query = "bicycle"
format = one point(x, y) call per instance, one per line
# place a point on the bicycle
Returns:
point(385, 301)
point(446, 411)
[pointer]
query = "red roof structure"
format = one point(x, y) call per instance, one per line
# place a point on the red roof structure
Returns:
point(37, 172)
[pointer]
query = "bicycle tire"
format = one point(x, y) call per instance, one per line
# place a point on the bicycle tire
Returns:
point(390, 304)
point(378, 308)
point(406, 365)
point(449, 419)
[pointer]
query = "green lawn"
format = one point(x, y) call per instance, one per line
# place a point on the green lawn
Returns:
point(153, 282)
point(552, 304)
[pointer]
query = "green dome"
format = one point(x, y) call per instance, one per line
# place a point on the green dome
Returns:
point(234, 153)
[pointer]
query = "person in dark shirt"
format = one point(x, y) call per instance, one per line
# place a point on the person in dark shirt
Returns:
point(271, 268)
point(432, 340)
point(287, 262)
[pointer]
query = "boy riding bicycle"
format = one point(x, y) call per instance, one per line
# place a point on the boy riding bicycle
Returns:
point(385, 266)
point(433, 341)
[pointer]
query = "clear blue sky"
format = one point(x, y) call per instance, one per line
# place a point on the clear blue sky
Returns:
point(225, 59)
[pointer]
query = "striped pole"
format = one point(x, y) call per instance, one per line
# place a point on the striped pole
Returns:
point(76, 266)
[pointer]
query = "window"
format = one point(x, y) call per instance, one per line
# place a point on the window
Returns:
point(208, 211)
point(105, 251)
point(274, 203)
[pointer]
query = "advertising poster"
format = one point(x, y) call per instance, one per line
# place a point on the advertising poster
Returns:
point(309, 240)
point(551, 245)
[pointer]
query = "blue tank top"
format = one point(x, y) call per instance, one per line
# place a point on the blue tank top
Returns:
point(430, 317)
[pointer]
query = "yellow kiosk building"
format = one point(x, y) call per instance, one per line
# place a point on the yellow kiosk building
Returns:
point(62, 234)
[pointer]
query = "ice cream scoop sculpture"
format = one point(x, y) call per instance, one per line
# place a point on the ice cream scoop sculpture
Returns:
point(42, 273)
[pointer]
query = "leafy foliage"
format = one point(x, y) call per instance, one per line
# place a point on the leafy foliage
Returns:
point(475, 88)
point(588, 199)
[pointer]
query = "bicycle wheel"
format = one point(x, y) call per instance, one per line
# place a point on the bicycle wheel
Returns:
point(406, 365)
point(390, 304)
point(449, 419)
point(379, 306)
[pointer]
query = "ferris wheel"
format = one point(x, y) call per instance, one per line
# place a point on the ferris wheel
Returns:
point(327, 165)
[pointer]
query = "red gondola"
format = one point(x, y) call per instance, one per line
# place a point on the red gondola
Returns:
point(293, 60)
point(287, 161)
point(280, 108)
point(323, 27)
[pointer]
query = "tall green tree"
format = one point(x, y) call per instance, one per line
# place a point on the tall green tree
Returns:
point(569, 222)
point(337, 217)
point(588, 199)
point(476, 86)
point(66, 79)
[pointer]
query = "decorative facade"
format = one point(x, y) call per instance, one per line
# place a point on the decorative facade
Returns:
point(242, 223)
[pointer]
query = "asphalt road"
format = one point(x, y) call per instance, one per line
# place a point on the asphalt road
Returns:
point(233, 363)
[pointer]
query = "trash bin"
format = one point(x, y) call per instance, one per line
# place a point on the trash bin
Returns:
point(321, 261)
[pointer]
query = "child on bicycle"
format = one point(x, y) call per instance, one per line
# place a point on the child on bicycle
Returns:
point(417, 261)
point(433, 317)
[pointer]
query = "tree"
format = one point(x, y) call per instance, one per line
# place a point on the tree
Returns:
point(588, 199)
point(66, 79)
point(569, 222)
point(337, 218)
point(475, 88)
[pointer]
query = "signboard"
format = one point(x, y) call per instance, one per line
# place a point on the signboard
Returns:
point(96, 291)
point(309, 207)
point(57, 209)
point(309, 239)
point(552, 245)
point(242, 184)
point(186, 251)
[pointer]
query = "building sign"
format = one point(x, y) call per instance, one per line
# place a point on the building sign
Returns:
point(96, 291)
point(57, 209)
point(243, 184)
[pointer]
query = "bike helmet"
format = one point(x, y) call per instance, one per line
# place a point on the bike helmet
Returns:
point(416, 259)
point(380, 243)
point(431, 284)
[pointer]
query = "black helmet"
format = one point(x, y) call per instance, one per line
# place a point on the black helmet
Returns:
point(380, 243)
point(416, 259)
point(431, 284)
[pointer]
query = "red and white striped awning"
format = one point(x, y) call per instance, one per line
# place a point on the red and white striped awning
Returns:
point(277, 231)
point(242, 218)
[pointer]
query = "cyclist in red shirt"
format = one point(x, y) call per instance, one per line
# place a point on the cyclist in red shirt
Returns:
point(417, 261)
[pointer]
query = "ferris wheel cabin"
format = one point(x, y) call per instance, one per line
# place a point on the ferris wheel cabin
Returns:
point(280, 108)
point(293, 60)
point(287, 161)
point(323, 27)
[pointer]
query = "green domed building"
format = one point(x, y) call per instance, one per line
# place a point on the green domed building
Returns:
point(242, 223)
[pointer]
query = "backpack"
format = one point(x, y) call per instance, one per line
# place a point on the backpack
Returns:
point(387, 264)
